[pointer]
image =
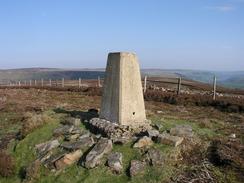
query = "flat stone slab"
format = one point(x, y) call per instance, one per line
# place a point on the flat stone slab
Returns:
point(72, 137)
point(82, 143)
point(115, 162)
point(95, 156)
point(154, 157)
point(182, 131)
point(168, 139)
point(49, 163)
point(71, 121)
point(66, 130)
point(68, 159)
point(62, 130)
point(46, 146)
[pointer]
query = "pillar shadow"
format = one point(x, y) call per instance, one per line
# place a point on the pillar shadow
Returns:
point(83, 115)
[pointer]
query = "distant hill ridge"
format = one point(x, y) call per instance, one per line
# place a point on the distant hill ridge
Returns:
point(232, 79)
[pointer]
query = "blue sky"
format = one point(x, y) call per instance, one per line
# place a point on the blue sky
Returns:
point(166, 34)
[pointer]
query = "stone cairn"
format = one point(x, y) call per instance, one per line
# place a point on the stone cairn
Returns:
point(118, 133)
point(88, 147)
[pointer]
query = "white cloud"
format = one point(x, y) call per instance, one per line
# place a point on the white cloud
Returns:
point(222, 8)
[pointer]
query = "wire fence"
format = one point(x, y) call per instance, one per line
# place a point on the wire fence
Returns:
point(172, 84)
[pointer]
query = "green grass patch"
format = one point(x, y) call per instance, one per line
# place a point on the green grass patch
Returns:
point(24, 154)
point(23, 151)
point(203, 132)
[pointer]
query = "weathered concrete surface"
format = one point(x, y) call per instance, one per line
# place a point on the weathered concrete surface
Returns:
point(122, 100)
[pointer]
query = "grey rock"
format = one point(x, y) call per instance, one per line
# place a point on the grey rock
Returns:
point(83, 143)
point(95, 156)
point(76, 130)
point(152, 133)
point(98, 136)
point(115, 162)
point(168, 139)
point(120, 140)
point(71, 137)
point(233, 135)
point(137, 167)
point(182, 131)
point(45, 156)
point(154, 157)
point(109, 129)
point(62, 130)
point(46, 146)
point(84, 134)
point(143, 142)
point(158, 127)
point(71, 121)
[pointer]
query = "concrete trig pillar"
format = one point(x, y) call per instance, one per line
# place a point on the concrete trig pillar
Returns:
point(122, 100)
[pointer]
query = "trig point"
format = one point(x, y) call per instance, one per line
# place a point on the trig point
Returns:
point(122, 100)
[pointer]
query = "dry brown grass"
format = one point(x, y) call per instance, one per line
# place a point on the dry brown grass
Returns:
point(7, 165)
point(31, 121)
point(226, 104)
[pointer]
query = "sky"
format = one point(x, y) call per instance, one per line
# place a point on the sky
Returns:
point(165, 34)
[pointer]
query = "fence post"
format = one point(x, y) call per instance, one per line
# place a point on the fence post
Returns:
point(42, 82)
point(98, 81)
point(30, 82)
point(145, 84)
point(79, 84)
point(63, 82)
point(214, 87)
point(35, 83)
point(179, 86)
point(50, 82)
point(19, 83)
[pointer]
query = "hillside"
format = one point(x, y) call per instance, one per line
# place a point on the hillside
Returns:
point(227, 79)
point(232, 79)
point(48, 73)
point(27, 122)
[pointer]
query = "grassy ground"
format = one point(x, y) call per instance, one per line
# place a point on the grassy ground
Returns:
point(207, 124)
